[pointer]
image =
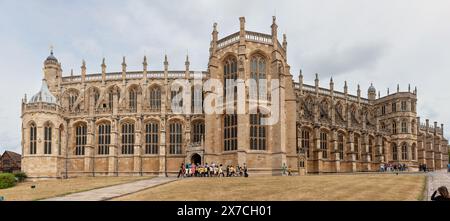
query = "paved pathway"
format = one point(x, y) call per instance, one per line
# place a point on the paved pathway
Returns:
point(108, 193)
point(435, 180)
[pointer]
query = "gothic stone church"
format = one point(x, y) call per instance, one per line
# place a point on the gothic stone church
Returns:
point(122, 123)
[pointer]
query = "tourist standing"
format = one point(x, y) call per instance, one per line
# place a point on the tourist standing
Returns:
point(283, 168)
point(245, 170)
point(221, 171)
point(181, 172)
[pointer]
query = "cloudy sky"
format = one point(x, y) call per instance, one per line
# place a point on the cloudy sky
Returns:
point(384, 42)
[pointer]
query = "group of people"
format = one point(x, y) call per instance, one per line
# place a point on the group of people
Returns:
point(389, 167)
point(423, 167)
point(211, 170)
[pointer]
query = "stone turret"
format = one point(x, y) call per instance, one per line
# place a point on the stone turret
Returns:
point(371, 92)
point(52, 73)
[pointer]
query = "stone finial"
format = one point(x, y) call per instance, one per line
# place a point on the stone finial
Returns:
point(215, 27)
point(71, 72)
point(409, 87)
point(274, 27)
point(124, 63)
point(387, 91)
point(331, 84)
point(103, 63)
point(359, 91)
point(398, 88)
point(379, 95)
point(345, 87)
point(83, 64)
point(415, 90)
point(316, 81)
point(242, 23)
point(145, 61)
point(166, 62)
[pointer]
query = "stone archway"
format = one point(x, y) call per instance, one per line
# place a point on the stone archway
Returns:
point(196, 159)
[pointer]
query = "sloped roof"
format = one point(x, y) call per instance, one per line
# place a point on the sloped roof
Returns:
point(14, 156)
point(44, 95)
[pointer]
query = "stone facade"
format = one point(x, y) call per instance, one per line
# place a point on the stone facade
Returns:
point(114, 124)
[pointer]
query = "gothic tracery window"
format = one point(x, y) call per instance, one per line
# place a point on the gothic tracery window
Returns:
point(258, 74)
point(155, 99)
point(47, 139)
point(340, 143)
point(104, 138)
point(404, 151)
point(258, 132)
point(80, 139)
point(230, 74)
point(175, 138)
point(151, 138)
point(324, 144)
point(33, 136)
point(198, 131)
point(305, 142)
point(230, 132)
point(133, 99)
point(128, 138)
point(394, 152)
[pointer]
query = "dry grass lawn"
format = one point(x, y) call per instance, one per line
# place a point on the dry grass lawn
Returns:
point(51, 188)
point(328, 187)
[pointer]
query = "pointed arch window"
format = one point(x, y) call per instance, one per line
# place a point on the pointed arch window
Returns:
point(104, 138)
point(80, 139)
point(394, 152)
point(72, 99)
point(404, 151)
point(48, 139)
point(175, 138)
point(151, 138)
point(176, 97)
point(305, 142)
point(33, 136)
point(324, 144)
point(258, 74)
point(404, 127)
point(230, 75)
point(197, 99)
point(128, 138)
point(133, 100)
point(155, 99)
point(198, 131)
point(230, 132)
point(340, 143)
point(258, 132)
